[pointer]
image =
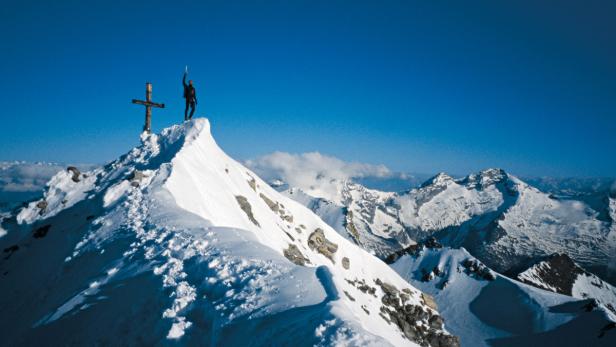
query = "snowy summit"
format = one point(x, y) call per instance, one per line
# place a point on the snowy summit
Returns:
point(177, 242)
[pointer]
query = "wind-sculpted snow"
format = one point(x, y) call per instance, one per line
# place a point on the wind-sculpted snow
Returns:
point(559, 274)
point(175, 242)
point(495, 310)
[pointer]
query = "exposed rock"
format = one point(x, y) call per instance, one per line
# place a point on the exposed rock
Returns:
point(363, 307)
point(362, 286)
point(346, 263)
point(245, 206)
point(287, 217)
point(474, 267)
point(413, 250)
point(252, 183)
point(75, 173)
point(298, 230)
point(42, 205)
point(429, 301)
point(416, 323)
point(41, 231)
point(295, 256)
point(272, 205)
point(136, 177)
point(348, 295)
point(318, 242)
point(350, 227)
point(556, 273)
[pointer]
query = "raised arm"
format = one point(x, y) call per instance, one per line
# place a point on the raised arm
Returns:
point(184, 80)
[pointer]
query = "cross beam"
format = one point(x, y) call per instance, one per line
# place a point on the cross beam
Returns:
point(148, 103)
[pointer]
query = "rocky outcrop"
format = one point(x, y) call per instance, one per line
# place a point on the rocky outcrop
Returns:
point(42, 205)
point(75, 173)
point(318, 242)
point(295, 256)
point(277, 208)
point(136, 177)
point(362, 286)
point(274, 206)
point(346, 263)
point(423, 326)
point(478, 270)
point(413, 250)
point(245, 206)
point(350, 227)
point(252, 183)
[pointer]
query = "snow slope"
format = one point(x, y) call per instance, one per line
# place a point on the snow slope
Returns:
point(177, 242)
point(487, 309)
point(559, 274)
point(501, 220)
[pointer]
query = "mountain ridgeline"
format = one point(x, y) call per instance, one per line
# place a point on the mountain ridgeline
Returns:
point(177, 243)
point(504, 222)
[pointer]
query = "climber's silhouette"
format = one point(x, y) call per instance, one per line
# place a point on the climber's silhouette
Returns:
point(190, 95)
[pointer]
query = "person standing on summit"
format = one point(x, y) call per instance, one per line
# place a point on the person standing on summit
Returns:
point(190, 95)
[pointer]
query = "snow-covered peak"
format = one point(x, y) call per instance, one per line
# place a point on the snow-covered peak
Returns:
point(440, 179)
point(475, 300)
point(199, 247)
point(485, 178)
point(560, 274)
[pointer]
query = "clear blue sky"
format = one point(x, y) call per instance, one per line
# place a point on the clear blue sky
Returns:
point(456, 86)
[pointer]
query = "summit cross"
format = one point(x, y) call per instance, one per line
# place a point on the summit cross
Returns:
point(148, 103)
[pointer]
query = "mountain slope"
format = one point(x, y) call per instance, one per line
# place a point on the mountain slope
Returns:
point(559, 274)
point(177, 241)
point(501, 220)
point(486, 309)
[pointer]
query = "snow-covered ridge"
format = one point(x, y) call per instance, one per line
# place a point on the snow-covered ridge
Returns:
point(212, 248)
point(500, 219)
point(486, 309)
point(559, 274)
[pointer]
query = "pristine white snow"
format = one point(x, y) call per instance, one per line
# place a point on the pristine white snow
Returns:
point(480, 311)
point(203, 239)
point(590, 286)
point(497, 217)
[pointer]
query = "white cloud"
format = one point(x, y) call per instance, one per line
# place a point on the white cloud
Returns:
point(318, 174)
point(28, 177)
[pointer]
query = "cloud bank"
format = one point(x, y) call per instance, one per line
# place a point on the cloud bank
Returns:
point(318, 174)
point(19, 176)
point(26, 177)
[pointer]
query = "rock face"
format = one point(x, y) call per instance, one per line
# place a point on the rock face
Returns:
point(476, 268)
point(560, 274)
point(272, 205)
point(295, 256)
point(42, 205)
point(346, 263)
point(136, 177)
point(75, 173)
point(557, 273)
point(245, 206)
point(318, 242)
point(418, 324)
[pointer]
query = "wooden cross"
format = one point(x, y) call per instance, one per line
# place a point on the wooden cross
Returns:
point(148, 106)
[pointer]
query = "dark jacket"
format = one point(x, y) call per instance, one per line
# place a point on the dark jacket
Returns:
point(190, 94)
